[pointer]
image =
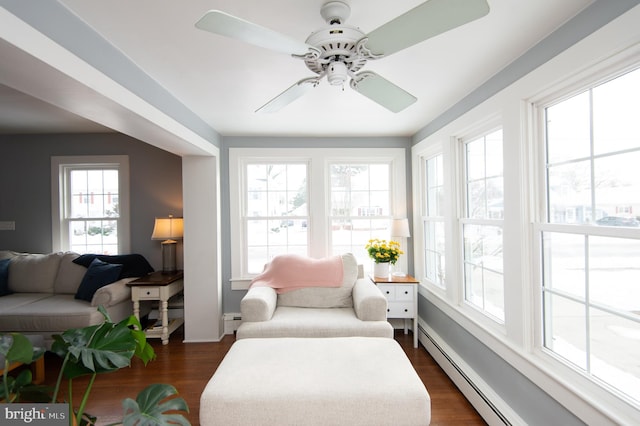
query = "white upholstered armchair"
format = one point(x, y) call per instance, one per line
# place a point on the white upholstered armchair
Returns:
point(356, 308)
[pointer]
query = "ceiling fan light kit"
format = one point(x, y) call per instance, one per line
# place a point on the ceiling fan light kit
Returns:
point(339, 51)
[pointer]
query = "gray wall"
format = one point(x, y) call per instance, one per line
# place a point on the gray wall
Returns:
point(25, 186)
point(532, 404)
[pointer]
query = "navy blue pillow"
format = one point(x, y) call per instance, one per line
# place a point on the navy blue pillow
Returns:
point(98, 275)
point(133, 265)
point(4, 277)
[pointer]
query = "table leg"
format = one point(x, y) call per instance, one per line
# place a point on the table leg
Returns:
point(165, 322)
point(136, 309)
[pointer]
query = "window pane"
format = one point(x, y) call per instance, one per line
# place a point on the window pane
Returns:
point(484, 286)
point(79, 199)
point(485, 188)
point(569, 193)
point(276, 190)
point(617, 189)
point(565, 329)
point(615, 350)
point(614, 273)
point(564, 263)
point(568, 129)
point(434, 262)
point(615, 114)
point(475, 160)
point(493, 154)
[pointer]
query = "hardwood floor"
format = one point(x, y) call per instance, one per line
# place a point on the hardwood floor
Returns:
point(189, 367)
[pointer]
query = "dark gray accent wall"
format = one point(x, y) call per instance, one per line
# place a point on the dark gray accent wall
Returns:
point(25, 186)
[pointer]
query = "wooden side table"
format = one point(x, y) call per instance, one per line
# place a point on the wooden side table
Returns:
point(161, 287)
point(402, 297)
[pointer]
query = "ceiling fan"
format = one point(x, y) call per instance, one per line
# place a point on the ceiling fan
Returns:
point(339, 51)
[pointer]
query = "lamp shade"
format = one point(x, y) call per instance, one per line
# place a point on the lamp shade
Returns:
point(400, 228)
point(168, 228)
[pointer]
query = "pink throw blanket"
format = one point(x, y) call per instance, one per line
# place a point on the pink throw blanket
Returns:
point(288, 272)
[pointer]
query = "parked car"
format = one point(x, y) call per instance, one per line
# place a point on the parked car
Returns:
point(617, 221)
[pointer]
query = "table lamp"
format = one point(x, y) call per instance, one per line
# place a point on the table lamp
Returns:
point(168, 229)
point(400, 229)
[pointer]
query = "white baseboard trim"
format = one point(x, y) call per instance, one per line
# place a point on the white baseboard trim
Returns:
point(493, 409)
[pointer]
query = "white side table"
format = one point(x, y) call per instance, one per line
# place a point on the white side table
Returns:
point(158, 286)
point(402, 298)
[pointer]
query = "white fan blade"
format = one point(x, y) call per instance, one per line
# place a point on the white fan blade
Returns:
point(227, 25)
point(289, 95)
point(422, 22)
point(382, 91)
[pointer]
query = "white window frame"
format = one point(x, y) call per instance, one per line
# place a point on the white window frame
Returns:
point(479, 314)
point(318, 179)
point(541, 224)
point(60, 202)
point(429, 154)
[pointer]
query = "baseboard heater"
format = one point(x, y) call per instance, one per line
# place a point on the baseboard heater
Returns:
point(467, 385)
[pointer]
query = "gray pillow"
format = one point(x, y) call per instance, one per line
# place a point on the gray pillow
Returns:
point(325, 297)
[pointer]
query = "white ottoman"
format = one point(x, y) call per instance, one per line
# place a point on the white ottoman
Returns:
point(315, 381)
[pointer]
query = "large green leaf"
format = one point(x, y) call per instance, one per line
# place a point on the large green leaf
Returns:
point(151, 404)
point(16, 348)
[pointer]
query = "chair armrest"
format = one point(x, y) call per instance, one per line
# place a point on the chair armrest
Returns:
point(112, 294)
point(258, 304)
point(368, 301)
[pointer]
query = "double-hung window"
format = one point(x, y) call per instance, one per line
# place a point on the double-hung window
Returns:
point(482, 223)
point(90, 204)
point(590, 232)
point(360, 204)
point(433, 220)
point(311, 201)
point(276, 212)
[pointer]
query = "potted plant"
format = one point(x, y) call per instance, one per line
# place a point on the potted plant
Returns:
point(91, 351)
point(383, 254)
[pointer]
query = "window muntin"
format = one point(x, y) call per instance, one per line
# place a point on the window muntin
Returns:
point(482, 240)
point(591, 241)
point(276, 212)
point(433, 221)
point(360, 205)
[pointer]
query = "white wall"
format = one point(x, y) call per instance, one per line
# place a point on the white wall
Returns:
point(202, 266)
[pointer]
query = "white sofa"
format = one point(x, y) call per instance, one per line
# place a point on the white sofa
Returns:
point(42, 295)
point(357, 308)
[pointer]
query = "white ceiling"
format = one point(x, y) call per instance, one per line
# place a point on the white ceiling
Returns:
point(224, 81)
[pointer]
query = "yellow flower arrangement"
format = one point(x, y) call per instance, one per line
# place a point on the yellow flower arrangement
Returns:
point(382, 252)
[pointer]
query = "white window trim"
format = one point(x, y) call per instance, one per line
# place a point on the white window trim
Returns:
point(59, 233)
point(581, 384)
point(491, 124)
point(419, 231)
point(318, 178)
point(612, 48)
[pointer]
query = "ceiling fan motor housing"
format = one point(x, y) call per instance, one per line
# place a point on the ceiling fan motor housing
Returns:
point(335, 43)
